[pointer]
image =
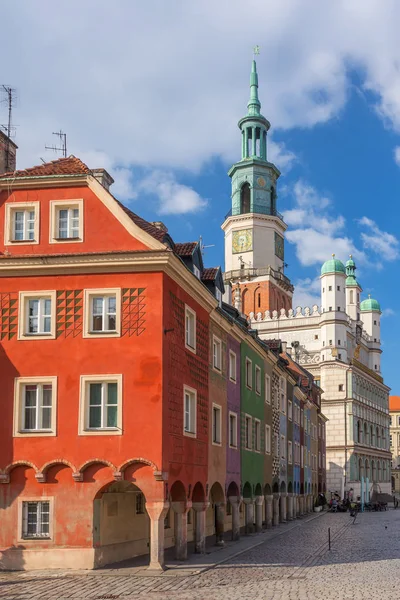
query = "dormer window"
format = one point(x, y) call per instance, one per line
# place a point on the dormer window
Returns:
point(66, 221)
point(22, 223)
point(196, 271)
point(218, 295)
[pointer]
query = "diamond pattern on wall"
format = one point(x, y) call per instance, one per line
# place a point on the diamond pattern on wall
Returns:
point(69, 313)
point(9, 315)
point(133, 311)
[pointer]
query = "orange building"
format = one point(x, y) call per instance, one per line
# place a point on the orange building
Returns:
point(104, 369)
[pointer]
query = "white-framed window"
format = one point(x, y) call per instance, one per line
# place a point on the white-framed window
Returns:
point(290, 452)
point(66, 221)
point(290, 410)
point(249, 373)
point(217, 353)
point(218, 295)
point(100, 405)
point(189, 411)
point(282, 392)
point(102, 312)
point(302, 456)
point(216, 424)
point(196, 271)
point(22, 223)
point(37, 318)
point(319, 459)
point(258, 380)
point(257, 435)
point(35, 406)
point(267, 439)
point(248, 432)
point(276, 445)
point(323, 461)
point(233, 430)
point(36, 519)
point(190, 329)
point(232, 366)
point(267, 390)
point(283, 447)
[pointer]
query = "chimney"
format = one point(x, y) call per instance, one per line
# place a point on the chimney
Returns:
point(284, 346)
point(103, 177)
point(160, 225)
point(8, 154)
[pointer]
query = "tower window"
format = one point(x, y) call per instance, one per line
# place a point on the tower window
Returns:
point(330, 288)
point(259, 300)
point(338, 308)
point(351, 297)
point(374, 322)
point(245, 198)
point(338, 342)
point(330, 308)
point(323, 290)
point(338, 288)
point(315, 337)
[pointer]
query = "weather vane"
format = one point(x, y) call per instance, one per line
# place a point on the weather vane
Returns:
point(256, 50)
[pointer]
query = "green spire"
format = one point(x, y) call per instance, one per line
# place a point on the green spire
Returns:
point(351, 273)
point(254, 104)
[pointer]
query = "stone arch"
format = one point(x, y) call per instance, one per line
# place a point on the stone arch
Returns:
point(365, 434)
point(96, 461)
point(267, 489)
point(178, 492)
point(233, 490)
point(275, 488)
point(198, 494)
point(217, 493)
point(247, 491)
point(290, 488)
point(20, 463)
point(246, 301)
point(359, 432)
point(282, 488)
point(258, 490)
point(53, 463)
point(245, 198)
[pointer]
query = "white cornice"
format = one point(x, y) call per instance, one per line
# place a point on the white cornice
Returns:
point(254, 219)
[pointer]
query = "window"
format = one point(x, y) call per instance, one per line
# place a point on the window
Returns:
point(315, 336)
point(283, 447)
point(276, 445)
point(258, 380)
point(102, 313)
point(35, 406)
point(189, 517)
point(22, 223)
point(218, 295)
point(302, 456)
point(282, 390)
point(374, 322)
point(36, 519)
point(248, 432)
point(249, 373)
point(190, 329)
point(319, 460)
point(330, 308)
point(217, 351)
point(257, 435)
point(339, 356)
point(290, 453)
point(338, 288)
point(338, 308)
point(101, 405)
point(267, 439)
point(338, 342)
point(66, 221)
point(330, 342)
point(290, 410)
point(37, 315)
point(351, 297)
point(216, 424)
point(232, 430)
point(330, 288)
point(267, 390)
point(232, 366)
point(139, 505)
point(189, 411)
point(196, 271)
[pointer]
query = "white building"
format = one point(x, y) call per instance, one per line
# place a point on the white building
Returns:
point(338, 342)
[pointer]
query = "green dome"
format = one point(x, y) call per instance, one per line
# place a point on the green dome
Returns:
point(350, 262)
point(334, 265)
point(370, 304)
point(351, 280)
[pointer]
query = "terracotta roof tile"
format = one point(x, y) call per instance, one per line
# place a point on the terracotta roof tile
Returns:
point(152, 230)
point(394, 402)
point(185, 249)
point(62, 166)
point(209, 274)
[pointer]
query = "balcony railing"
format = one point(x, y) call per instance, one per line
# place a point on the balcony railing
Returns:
point(251, 272)
point(272, 213)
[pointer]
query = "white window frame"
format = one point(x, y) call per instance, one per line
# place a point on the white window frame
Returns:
point(218, 295)
point(232, 371)
point(249, 363)
point(233, 443)
point(257, 378)
point(290, 410)
point(283, 447)
point(193, 416)
point(55, 207)
point(302, 456)
point(217, 354)
point(267, 390)
point(196, 271)
point(89, 294)
point(84, 403)
point(191, 313)
point(22, 536)
point(248, 432)
point(11, 208)
point(257, 435)
point(276, 445)
point(23, 317)
point(18, 420)
point(267, 439)
point(282, 395)
point(217, 439)
point(290, 453)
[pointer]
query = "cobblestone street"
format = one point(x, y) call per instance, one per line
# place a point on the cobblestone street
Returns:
point(364, 563)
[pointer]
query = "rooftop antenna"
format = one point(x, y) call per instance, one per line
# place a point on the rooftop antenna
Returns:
point(63, 142)
point(9, 129)
point(203, 247)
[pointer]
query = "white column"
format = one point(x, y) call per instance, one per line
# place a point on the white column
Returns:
point(249, 515)
point(268, 511)
point(276, 509)
point(157, 512)
point(259, 513)
point(290, 507)
point(180, 510)
point(200, 526)
point(235, 504)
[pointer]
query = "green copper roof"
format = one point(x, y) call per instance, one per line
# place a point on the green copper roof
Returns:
point(334, 265)
point(350, 262)
point(370, 304)
point(351, 273)
point(351, 280)
point(254, 104)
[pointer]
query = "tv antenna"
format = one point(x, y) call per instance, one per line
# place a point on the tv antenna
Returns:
point(63, 143)
point(8, 128)
point(203, 247)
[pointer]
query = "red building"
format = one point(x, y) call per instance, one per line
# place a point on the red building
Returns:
point(104, 374)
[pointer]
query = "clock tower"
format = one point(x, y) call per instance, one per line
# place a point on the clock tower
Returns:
point(254, 229)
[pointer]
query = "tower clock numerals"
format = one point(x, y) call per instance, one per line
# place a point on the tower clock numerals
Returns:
point(242, 241)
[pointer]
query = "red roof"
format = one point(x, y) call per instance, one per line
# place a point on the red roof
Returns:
point(158, 234)
point(394, 402)
point(209, 274)
point(185, 249)
point(62, 166)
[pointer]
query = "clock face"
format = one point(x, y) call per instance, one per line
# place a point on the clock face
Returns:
point(279, 246)
point(242, 241)
point(261, 181)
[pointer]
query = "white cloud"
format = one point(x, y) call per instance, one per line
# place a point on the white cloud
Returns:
point(388, 312)
point(397, 155)
point(173, 197)
point(307, 292)
point(384, 244)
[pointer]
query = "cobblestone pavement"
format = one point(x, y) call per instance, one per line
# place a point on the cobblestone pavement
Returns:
point(364, 563)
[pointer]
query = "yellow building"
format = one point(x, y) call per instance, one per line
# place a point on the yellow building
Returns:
point(394, 409)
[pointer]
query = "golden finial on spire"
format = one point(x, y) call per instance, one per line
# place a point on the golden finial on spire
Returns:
point(369, 295)
point(333, 255)
point(350, 256)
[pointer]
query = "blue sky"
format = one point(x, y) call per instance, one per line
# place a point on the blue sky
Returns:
point(153, 92)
